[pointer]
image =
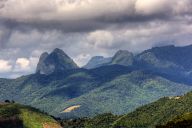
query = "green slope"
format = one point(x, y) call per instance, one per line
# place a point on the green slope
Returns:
point(16, 115)
point(145, 77)
point(182, 121)
point(115, 89)
point(124, 94)
point(157, 113)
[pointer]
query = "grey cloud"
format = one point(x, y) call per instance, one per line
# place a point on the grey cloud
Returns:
point(87, 28)
point(89, 15)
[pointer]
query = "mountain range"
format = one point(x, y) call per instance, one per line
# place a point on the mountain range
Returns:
point(118, 84)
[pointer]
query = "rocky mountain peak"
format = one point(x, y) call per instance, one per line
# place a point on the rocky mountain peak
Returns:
point(123, 57)
point(57, 60)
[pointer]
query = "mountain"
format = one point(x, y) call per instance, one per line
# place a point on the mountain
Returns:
point(123, 94)
point(97, 61)
point(167, 57)
point(120, 87)
point(123, 57)
point(161, 112)
point(167, 112)
point(14, 115)
point(55, 61)
point(182, 121)
point(117, 89)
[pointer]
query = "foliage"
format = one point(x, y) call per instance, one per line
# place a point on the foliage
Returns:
point(74, 123)
point(157, 113)
point(116, 89)
point(23, 116)
point(101, 121)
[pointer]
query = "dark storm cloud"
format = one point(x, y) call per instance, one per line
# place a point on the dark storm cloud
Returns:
point(88, 15)
point(80, 25)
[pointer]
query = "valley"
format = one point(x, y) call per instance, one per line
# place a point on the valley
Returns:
point(117, 86)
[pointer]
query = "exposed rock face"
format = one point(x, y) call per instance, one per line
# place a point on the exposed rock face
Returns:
point(55, 61)
point(123, 57)
point(97, 61)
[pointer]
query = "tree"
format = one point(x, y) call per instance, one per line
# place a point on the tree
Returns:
point(7, 101)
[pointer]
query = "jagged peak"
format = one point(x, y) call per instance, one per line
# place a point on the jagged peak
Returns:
point(44, 55)
point(123, 57)
point(57, 50)
point(122, 52)
point(57, 60)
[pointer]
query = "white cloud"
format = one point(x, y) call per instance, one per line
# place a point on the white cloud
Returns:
point(23, 63)
point(102, 39)
point(5, 66)
point(82, 59)
point(150, 7)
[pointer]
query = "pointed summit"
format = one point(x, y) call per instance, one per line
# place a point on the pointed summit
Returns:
point(57, 60)
point(97, 61)
point(123, 57)
point(58, 51)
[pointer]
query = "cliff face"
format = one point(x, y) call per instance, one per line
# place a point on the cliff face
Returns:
point(58, 60)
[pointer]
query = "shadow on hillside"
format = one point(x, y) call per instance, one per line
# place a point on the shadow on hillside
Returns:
point(11, 122)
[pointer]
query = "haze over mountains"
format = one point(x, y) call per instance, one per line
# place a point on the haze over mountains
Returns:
point(118, 84)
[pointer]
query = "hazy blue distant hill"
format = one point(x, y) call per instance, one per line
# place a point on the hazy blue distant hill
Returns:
point(121, 57)
point(97, 61)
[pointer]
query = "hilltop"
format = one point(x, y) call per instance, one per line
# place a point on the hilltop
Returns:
point(13, 115)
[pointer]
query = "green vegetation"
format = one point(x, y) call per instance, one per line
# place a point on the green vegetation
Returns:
point(157, 113)
point(74, 123)
point(114, 89)
point(16, 115)
point(167, 112)
point(101, 121)
point(183, 121)
point(124, 94)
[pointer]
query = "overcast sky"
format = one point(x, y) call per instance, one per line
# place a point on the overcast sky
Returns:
point(85, 28)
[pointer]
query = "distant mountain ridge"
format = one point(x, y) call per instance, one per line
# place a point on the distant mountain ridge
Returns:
point(159, 57)
point(119, 86)
point(168, 57)
point(97, 61)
